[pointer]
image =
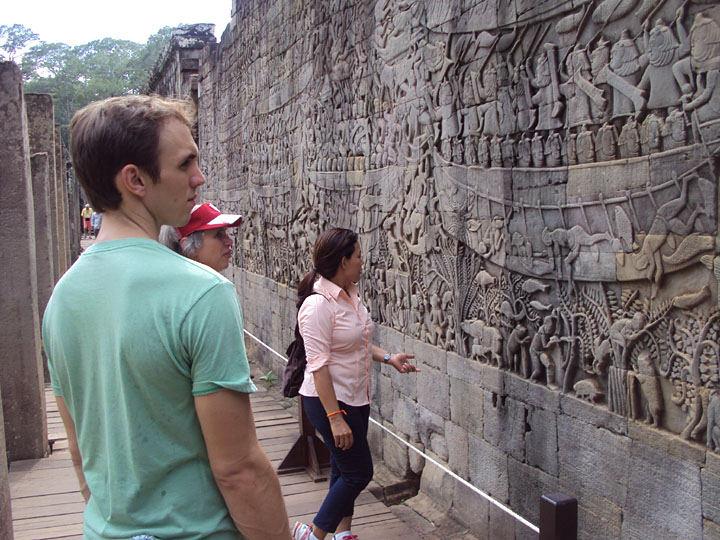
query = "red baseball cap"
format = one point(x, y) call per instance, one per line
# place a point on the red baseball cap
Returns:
point(207, 216)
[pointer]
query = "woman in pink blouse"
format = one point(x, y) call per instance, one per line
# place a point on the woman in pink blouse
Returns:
point(337, 331)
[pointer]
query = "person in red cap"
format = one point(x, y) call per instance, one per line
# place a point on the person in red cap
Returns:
point(204, 239)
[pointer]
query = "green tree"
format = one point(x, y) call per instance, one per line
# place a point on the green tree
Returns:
point(14, 39)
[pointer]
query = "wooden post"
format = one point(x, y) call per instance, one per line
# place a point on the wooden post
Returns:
point(309, 453)
point(558, 517)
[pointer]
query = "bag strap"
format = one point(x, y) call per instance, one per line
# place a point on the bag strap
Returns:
point(332, 320)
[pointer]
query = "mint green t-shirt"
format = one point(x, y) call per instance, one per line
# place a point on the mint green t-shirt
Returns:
point(132, 332)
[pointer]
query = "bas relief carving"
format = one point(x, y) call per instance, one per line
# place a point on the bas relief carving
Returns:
point(541, 196)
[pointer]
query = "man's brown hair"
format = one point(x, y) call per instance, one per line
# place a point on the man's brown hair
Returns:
point(109, 134)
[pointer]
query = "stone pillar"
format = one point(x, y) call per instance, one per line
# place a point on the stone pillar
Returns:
point(62, 205)
point(21, 380)
point(6, 529)
point(41, 130)
point(40, 169)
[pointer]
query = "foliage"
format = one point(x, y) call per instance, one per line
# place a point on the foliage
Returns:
point(76, 76)
point(14, 39)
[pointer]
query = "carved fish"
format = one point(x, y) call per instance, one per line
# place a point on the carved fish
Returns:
point(569, 22)
point(612, 10)
point(624, 229)
point(485, 278)
point(540, 306)
point(533, 285)
point(689, 248)
point(687, 301)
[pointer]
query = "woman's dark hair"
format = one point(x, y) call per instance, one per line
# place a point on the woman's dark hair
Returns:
point(330, 249)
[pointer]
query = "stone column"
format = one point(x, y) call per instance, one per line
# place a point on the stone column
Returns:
point(62, 205)
point(6, 529)
point(40, 169)
point(21, 380)
point(41, 130)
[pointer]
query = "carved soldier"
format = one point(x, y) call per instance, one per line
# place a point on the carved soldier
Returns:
point(661, 50)
point(542, 348)
point(507, 147)
point(547, 97)
point(629, 139)
point(623, 75)
point(585, 145)
point(599, 59)
point(538, 151)
point(571, 148)
point(553, 150)
point(651, 134)
point(675, 129)
point(524, 151)
point(496, 152)
point(579, 90)
point(483, 151)
point(606, 142)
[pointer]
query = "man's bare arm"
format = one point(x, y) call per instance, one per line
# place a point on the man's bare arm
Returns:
point(243, 473)
point(73, 446)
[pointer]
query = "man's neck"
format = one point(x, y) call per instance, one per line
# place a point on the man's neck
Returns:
point(118, 224)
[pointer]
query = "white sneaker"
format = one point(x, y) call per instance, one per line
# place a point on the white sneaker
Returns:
point(346, 535)
point(301, 531)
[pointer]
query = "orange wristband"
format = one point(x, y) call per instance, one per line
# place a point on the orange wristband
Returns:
point(337, 412)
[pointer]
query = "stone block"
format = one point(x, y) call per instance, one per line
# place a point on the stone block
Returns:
point(395, 454)
point(710, 481)
point(431, 429)
point(541, 440)
point(530, 393)
point(433, 391)
point(417, 461)
point(598, 518)
point(593, 459)
point(663, 496)
point(384, 396)
point(426, 354)
point(505, 424)
point(593, 414)
point(405, 416)
point(711, 530)
point(501, 525)
point(471, 509)
point(438, 485)
point(473, 372)
point(457, 445)
point(488, 468)
point(527, 485)
point(671, 444)
point(466, 405)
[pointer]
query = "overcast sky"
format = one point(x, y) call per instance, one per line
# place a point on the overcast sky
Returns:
point(79, 21)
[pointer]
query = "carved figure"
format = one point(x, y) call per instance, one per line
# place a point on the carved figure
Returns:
point(649, 387)
point(516, 350)
point(507, 148)
point(553, 150)
point(542, 350)
point(661, 52)
point(675, 129)
point(629, 139)
point(524, 151)
point(487, 340)
point(623, 335)
point(496, 152)
point(571, 149)
point(602, 355)
point(606, 143)
point(560, 241)
point(589, 390)
point(483, 152)
point(623, 75)
point(713, 421)
point(585, 146)
point(538, 150)
point(579, 90)
point(438, 321)
point(547, 97)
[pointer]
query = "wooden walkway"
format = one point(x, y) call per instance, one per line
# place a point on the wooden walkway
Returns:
point(46, 503)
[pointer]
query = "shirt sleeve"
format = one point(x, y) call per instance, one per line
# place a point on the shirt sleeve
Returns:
point(315, 322)
point(213, 334)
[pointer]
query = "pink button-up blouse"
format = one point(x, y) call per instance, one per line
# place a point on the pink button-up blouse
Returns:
point(337, 331)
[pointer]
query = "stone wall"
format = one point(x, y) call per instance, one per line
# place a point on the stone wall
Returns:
point(535, 189)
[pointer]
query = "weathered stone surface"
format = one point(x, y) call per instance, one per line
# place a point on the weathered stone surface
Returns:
point(663, 496)
point(594, 460)
point(505, 424)
point(438, 485)
point(6, 528)
point(21, 377)
point(471, 509)
point(431, 429)
point(466, 406)
point(457, 444)
point(395, 454)
point(541, 440)
point(405, 416)
point(434, 391)
point(710, 482)
point(488, 468)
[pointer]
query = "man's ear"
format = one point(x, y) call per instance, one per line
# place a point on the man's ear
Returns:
point(133, 179)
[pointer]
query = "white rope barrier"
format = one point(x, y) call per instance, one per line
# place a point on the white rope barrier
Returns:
point(464, 482)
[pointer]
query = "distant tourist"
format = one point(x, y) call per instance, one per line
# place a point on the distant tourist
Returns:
point(86, 215)
point(156, 399)
point(95, 222)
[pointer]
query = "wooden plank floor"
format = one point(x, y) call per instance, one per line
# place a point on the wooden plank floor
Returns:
point(46, 503)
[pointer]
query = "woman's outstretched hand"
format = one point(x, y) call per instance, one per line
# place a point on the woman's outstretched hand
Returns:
point(341, 432)
point(400, 362)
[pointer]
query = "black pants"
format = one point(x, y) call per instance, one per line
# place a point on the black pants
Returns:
point(350, 470)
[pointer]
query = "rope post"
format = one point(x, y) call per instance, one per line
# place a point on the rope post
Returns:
point(558, 517)
point(309, 453)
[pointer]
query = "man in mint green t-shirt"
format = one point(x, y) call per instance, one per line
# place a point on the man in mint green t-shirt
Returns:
point(155, 398)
